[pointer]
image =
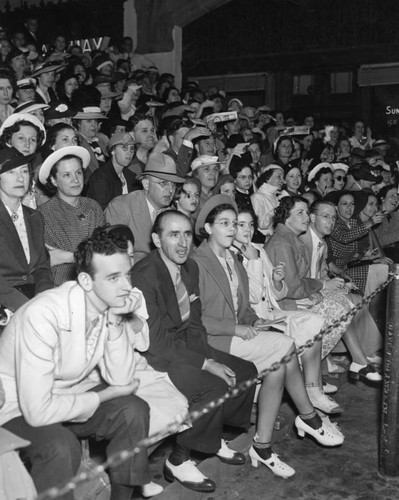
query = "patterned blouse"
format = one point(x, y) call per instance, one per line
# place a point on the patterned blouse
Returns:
point(66, 226)
point(343, 247)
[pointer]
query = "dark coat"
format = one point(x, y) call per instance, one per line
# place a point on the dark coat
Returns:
point(182, 158)
point(14, 268)
point(105, 184)
point(171, 340)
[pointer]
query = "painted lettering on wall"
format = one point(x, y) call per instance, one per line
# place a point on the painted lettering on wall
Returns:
point(389, 110)
point(87, 44)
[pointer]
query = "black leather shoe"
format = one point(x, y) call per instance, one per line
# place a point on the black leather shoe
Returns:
point(189, 476)
point(366, 374)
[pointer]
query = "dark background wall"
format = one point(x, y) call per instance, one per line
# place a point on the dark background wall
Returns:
point(75, 19)
point(247, 35)
point(318, 38)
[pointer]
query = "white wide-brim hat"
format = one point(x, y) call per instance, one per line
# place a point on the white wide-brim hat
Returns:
point(51, 160)
point(18, 117)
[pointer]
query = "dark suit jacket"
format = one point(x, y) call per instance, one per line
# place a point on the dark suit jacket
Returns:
point(31, 38)
point(14, 269)
point(105, 184)
point(182, 159)
point(171, 340)
point(51, 93)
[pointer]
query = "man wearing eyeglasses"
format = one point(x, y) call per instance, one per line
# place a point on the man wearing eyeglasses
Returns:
point(138, 210)
point(322, 220)
point(114, 178)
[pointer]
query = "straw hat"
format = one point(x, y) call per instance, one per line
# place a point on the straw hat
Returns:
point(51, 160)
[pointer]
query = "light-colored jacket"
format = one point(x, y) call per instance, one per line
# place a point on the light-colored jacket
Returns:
point(263, 296)
point(285, 246)
point(218, 314)
point(46, 362)
point(264, 202)
point(132, 210)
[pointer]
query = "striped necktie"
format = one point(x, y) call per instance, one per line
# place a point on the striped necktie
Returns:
point(182, 298)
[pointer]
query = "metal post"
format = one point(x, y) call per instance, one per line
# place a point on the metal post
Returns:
point(388, 460)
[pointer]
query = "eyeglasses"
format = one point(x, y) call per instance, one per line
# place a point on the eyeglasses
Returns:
point(341, 178)
point(165, 184)
point(227, 224)
point(245, 177)
point(196, 196)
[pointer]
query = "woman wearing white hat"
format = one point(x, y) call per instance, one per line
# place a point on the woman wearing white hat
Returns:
point(22, 131)
point(340, 172)
point(87, 122)
point(321, 178)
point(69, 217)
point(33, 108)
point(26, 134)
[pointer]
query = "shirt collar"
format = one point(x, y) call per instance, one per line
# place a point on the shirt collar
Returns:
point(173, 268)
point(153, 211)
point(315, 237)
point(17, 211)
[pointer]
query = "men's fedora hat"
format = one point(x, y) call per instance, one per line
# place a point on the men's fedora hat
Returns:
point(161, 166)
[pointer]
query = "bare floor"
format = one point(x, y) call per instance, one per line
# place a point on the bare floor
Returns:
point(349, 472)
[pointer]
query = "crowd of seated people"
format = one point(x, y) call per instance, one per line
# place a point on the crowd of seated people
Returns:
point(156, 252)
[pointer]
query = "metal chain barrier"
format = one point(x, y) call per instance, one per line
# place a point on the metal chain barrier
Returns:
point(172, 428)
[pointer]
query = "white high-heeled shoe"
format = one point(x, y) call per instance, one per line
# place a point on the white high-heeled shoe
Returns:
point(277, 466)
point(324, 435)
point(151, 489)
point(333, 426)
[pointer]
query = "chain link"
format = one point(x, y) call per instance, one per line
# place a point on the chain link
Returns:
point(119, 458)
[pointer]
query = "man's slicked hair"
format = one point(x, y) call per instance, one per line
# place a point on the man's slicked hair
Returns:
point(158, 223)
point(100, 242)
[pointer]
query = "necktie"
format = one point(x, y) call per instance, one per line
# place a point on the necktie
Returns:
point(319, 259)
point(182, 298)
